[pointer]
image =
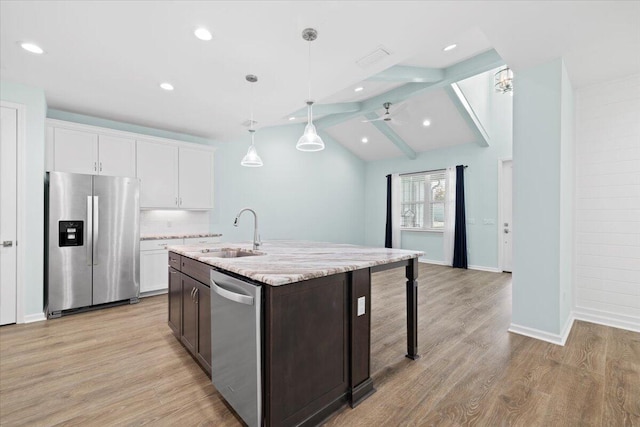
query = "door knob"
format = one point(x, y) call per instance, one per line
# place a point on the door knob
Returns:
point(7, 244)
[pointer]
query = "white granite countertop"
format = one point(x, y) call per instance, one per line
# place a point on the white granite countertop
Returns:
point(176, 236)
point(289, 261)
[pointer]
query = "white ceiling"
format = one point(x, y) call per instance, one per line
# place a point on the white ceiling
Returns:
point(107, 58)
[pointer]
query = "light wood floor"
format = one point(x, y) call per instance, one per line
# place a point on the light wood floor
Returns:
point(122, 366)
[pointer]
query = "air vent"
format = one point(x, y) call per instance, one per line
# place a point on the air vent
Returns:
point(247, 123)
point(377, 55)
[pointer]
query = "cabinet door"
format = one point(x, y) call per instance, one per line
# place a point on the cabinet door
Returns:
point(153, 274)
point(175, 301)
point(157, 168)
point(75, 151)
point(203, 299)
point(116, 156)
point(196, 179)
point(189, 314)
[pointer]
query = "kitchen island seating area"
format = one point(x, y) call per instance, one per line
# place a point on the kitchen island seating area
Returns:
point(314, 326)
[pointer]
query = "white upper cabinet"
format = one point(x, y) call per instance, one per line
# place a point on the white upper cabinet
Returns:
point(88, 152)
point(116, 156)
point(174, 177)
point(158, 173)
point(173, 174)
point(196, 178)
point(75, 151)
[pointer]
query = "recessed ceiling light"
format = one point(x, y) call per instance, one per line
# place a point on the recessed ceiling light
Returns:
point(450, 47)
point(426, 123)
point(33, 48)
point(359, 89)
point(365, 140)
point(203, 34)
point(166, 86)
point(292, 118)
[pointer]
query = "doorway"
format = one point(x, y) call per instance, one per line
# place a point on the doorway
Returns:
point(505, 212)
point(8, 220)
point(11, 116)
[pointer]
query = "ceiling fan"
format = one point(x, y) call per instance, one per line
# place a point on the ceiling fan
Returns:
point(389, 116)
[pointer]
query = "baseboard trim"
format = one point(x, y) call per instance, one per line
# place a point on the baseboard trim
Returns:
point(154, 293)
point(482, 268)
point(470, 267)
point(430, 261)
point(607, 319)
point(38, 317)
point(557, 339)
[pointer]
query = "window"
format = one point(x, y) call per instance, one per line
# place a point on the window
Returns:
point(422, 201)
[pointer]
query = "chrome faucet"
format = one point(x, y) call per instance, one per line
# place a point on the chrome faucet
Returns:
point(256, 236)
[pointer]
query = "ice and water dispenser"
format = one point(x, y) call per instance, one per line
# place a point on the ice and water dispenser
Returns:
point(70, 233)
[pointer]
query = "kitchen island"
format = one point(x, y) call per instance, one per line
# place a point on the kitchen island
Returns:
point(315, 317)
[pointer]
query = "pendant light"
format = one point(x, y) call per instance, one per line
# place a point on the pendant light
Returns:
point(252, 159)
point(310, 140)
point(504, 80)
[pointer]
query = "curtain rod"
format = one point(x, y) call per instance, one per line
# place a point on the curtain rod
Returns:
point(433, 170)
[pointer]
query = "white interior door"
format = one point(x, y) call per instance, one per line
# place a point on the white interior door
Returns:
point(507, 217)
point(8, 224)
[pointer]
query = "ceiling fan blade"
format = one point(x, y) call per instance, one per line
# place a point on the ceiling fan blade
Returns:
point(398, 122)
point(373, 120)
point(398, 111)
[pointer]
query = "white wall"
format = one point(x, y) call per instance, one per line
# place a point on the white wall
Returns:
point(607, 277)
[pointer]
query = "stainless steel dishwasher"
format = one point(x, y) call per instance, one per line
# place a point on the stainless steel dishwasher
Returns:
point(236, 350)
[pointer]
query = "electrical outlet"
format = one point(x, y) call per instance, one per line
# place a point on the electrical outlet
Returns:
point(169, 224)
point(489, 221)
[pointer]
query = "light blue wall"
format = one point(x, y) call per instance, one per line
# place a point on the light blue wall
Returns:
point(542, 112)
point(567, 186)
point(33, 245)
point(481, 189)
point(298, 195)
point(316, 196)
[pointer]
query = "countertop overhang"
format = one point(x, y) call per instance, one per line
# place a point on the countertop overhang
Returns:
point(290, 261)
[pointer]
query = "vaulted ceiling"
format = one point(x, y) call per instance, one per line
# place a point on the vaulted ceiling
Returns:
point(107, 59)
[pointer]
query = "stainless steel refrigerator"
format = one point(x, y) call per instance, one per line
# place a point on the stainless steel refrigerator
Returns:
point(93, 241)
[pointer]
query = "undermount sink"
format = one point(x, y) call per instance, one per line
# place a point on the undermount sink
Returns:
point(230, 253)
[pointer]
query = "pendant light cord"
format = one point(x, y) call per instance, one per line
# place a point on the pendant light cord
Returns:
point(309, 71)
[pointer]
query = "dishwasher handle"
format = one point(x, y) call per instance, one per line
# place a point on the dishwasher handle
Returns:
point(232, 296)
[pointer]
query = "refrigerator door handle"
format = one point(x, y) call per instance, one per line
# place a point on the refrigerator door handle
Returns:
point(96, 235)
point(89, 230)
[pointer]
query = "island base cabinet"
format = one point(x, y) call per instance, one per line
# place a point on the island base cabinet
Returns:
point(189, 314)
point(307, 370)
point(203, 344)
point(175, 302)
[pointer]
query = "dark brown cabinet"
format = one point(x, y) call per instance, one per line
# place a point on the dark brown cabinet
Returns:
point(203, 327)
point(190, 307)
point(175, 301)
point(189, 314)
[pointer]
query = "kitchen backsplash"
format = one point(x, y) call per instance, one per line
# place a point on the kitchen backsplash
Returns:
point(174, 221)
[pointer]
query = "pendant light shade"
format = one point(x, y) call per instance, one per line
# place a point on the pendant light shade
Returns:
point(252, 159)
point(310, 140)
point(504, 80)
